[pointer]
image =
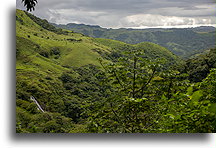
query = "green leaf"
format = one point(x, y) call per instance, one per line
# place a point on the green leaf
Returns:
point(164, 97)
point(190, 90)
point(213, 108)
point(197, 95)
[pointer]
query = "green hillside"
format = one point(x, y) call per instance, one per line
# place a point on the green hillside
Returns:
point(183, 42)
point(58, 68)
point(95, 85)
point(74, 49)
point(151, 50)
point(71, 49)
point(44, 58)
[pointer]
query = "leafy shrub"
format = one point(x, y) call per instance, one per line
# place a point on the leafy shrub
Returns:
point(44, 53)
point(55, 51)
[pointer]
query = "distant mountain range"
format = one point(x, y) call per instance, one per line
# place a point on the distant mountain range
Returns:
point(184, 42)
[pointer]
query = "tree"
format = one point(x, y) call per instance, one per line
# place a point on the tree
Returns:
point(146, 97)
point(29, 4)
point(132, 105)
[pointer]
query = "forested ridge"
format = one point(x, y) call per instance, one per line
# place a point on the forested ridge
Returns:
point(184, 42)
point(95, 85)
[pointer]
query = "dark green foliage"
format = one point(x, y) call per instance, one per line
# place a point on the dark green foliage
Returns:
point(145, 98)
point(199, 67)
point(41, 123)
point(74, 109)
point(132, 104)
point(74, 40)
point(19, 19)
point(55, 51)
point(44, 53)
point(194, 110)
point(86, 85)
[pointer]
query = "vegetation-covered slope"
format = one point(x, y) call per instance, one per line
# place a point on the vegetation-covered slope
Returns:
point(100, 85)
point(58, 68)
point(44, 61)
point(199, 67)
point(182, 42)
point(58, 47)
point(151, 50)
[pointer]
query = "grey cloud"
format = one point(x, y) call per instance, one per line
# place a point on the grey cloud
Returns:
point(114, 13)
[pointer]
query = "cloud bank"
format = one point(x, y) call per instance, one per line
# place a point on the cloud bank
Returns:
point(128, 13)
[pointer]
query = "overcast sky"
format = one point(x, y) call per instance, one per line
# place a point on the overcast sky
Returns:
point(128, 13)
